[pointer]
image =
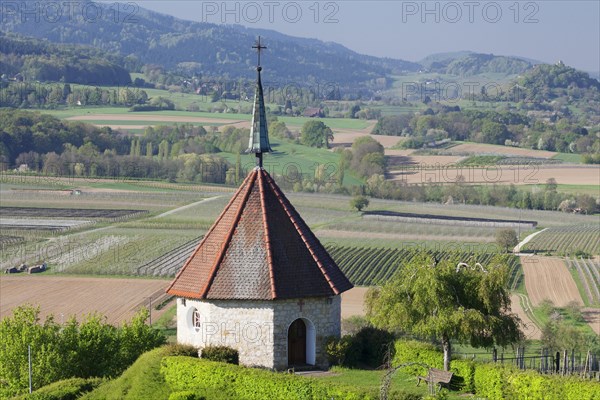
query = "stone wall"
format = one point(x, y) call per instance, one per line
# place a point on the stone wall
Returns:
point(258, 329)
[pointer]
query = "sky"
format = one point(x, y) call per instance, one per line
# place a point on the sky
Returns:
point(546, 30)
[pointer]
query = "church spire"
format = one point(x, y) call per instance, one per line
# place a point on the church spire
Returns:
point(259, 135)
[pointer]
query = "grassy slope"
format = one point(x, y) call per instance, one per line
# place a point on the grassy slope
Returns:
point(142, 380)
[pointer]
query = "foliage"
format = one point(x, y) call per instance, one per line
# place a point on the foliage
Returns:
point(369, 347)
point(178, 349)
point(359, 202)
point(87, 349)
point(498, 382)
point(221, 354)
point(315, 133)
point(432, 298)
point(66, 389)
point(506, 238)
point(40, 60)
point(494, 127)
point(182, 373)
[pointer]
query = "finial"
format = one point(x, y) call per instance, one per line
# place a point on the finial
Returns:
point(258, 48)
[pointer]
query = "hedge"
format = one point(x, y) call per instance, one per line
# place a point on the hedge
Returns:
point(496, 381)
point(201, 376)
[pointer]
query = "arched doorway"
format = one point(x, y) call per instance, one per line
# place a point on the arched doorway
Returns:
point(301, 342)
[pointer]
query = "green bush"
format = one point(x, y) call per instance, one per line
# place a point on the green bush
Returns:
point(176, 349)
point(412, 351)
point(202, 376)
point(185, 395)
point(464, 375)
point(374, 345)
point(67, 389)
point(221, 354)
point(367, 348)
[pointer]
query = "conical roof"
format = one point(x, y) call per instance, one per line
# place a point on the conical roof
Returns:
point(259, 248)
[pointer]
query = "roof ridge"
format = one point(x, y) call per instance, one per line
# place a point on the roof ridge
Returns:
point(268, 248)
point(292, 214)
point(236, 220)
point(212, 228)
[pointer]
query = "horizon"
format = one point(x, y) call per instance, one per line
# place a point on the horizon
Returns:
point(529, 32)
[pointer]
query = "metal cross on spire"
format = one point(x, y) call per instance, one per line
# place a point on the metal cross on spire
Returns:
point(259, 134)
point(259, 48)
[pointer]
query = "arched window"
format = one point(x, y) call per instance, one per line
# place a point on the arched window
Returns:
point(196, 320)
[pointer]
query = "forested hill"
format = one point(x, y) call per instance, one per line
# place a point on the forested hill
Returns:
point(40, 60)
point(468, 64)
point(203, 48)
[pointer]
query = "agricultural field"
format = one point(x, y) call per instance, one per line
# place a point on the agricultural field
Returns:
point(588, 277)
point(63, 296)
point(366, 266)
point(567, 240)
point(506, 174)
point(34, 212)
point(547, 278)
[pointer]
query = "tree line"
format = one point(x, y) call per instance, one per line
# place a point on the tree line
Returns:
point(39, 60)
point(493, 127)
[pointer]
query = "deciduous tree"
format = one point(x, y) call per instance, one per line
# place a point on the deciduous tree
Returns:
point(447, 300)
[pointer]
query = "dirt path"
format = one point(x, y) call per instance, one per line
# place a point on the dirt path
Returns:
point(529, 328)
point(117, 298)
point(549, 278)
point(518, 247)
point(175, 210)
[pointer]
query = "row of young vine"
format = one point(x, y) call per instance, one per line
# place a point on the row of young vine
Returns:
point(367, 266)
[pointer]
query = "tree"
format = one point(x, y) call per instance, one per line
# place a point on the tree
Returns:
point(506, 238)
point(359, 202)
point(447, 300)
point(315, 134)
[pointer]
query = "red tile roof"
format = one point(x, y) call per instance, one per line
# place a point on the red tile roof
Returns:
point(259, 248)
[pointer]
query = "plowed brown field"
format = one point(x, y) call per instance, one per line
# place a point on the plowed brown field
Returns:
point(549, 278)
point(117, 298)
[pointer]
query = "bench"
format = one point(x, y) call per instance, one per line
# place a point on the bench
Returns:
point(436, 376)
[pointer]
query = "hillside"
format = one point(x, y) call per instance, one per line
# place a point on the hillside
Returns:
point(469, 64)
point(40, 60)
point(207, 49)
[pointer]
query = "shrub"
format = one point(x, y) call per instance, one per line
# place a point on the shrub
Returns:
point(464, 375)
point(201, 376)
point(337, 349)
point(177, 349)
point(185, 395)
point(221, 354)
point(408, 351)
point(374, 346)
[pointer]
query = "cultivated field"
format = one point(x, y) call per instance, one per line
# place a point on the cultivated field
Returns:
point(567, 240)
point(547, 278)
point(491, 149)
point(118, 299)
point(517, 175)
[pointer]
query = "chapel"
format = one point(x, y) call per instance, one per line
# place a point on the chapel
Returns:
point(260, 281)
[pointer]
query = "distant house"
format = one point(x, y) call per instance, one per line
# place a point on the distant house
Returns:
point(313, 112)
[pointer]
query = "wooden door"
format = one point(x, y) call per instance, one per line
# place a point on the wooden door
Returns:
point(297, 343)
